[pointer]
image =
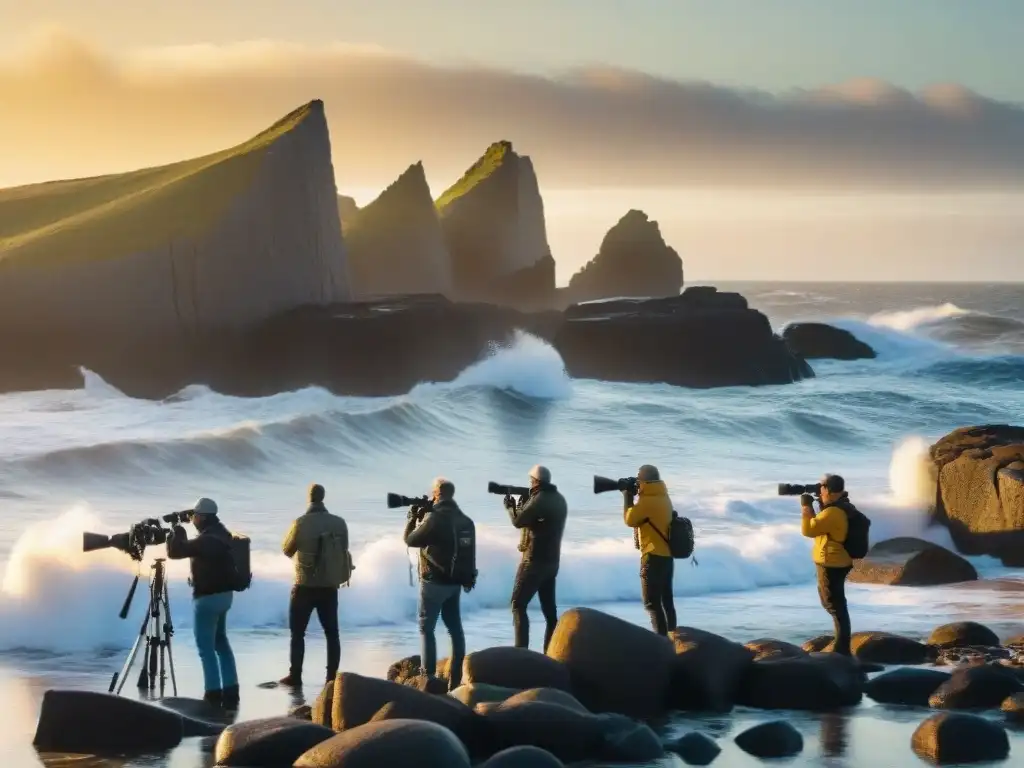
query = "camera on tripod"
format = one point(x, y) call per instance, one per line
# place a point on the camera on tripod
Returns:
point(133, 542)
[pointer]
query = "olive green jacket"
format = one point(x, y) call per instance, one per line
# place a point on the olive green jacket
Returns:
point(303, 544)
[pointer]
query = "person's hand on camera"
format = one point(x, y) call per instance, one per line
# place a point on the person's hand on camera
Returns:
point(414, 513)
point(627, 495)
point(807, 501)
point(510, 503)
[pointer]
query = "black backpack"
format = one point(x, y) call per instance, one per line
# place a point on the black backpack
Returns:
point(241, 577)
point(858, 527)
point(680, 538)
point(463, 565)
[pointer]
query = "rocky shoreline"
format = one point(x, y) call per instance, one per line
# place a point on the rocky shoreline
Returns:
point(601, 693)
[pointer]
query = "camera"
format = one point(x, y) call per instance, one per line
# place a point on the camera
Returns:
point(791, 489)
point(133, 542)
point(507, 490)
point(605, 484)
point(180, 518)
point(419, 504)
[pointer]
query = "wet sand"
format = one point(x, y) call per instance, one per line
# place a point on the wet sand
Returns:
point(870, 734)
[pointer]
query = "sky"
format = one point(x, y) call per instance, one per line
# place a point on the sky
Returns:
point(783, 106)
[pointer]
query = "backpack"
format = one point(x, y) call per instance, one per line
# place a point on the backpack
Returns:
point(463, 565)
point(333, 561)
point(857, 533)
point(241, 575)
point(680, 537)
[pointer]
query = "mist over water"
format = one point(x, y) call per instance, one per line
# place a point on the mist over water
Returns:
point(94, 459)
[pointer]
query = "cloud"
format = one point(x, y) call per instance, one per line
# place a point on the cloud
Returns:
point(70, 108)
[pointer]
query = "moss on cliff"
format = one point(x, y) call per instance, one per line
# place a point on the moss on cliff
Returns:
point(107, 217)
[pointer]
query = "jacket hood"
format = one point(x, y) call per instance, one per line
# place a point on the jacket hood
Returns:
point(653, 488)
point(446, 505)
point(316, 506)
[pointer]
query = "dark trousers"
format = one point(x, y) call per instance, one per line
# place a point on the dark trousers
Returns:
point(534, 579)
point(305, 600)
point(832, 591)
point(656, 588)
point(441, 600)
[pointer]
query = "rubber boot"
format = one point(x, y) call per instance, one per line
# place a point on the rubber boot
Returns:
point(230, 698)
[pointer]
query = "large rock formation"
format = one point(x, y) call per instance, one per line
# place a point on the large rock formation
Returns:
point(347, 209)
point(222, 241)
point(911, 562)
point(395, 244)
point(493, 220)
point(814, 341)
point(701, 338)
point(979, 490)
point(633, 261)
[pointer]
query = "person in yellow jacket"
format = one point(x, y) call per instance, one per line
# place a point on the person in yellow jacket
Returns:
point(829, 529)
point(650, 517)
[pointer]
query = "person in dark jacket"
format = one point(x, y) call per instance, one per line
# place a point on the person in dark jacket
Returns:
point(541, 517)
point(212, 567)
point(437, 536)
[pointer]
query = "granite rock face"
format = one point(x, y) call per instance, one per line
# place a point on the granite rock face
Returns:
point(979, 490)
point(395, 244)
point(493, 221)
point(633, 261)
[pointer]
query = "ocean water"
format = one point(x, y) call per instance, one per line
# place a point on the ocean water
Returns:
point(94, 459)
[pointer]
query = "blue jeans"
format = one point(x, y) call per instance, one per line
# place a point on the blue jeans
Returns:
point(441, 600)
point(211, 632)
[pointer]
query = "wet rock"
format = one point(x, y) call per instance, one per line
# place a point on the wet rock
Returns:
point(515, 668)
point(768, 648)
point(815, 684)
point(199, 718)
point(102, 723)
point(815, 341)
point(958, 738)
point(391, 743)
point(626, 741)
point(878, 648)
point(323, 707)
point(774, 739)
point(523, 757)
point(957, 656)
point(963, 633)
point(910, 686)
point(1015, 641)
point(695, 748)
point(1013, 707)
point(981, 687)
point(817, 644)
point(615, 666)
point(910, 562)
point(570, 736)
point(708, 670)
point(435, 685)
point(549, 696)
point(979, 478)
point(472, 694)
point(409, 667)
point(301, 712)
point(357, 699)
point(268, 743)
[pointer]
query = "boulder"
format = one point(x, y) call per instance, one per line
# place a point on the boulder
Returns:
point(268, 743)
point(102, 723)
point(396, 245)
point(493, 222)
point(963, 633)
point(811, 683)
point(695, 748)
point(979, 490)
point(323, 707)
point(878, 648)
point(698, 339)
point(815, 341)
point(768, 648)
point(523, 757)
point(985, 686)
point(910, 562)
point(570, 736)
point(515, 668)
point(909, 687)
point(633, 260)
point(547, 695)
point(391, 743)
point(774, 739)
point(1014, 640)
point(435, 685)
point(199, 718)
point(615, 666)
point(708, 670)
point(357, 699)
point(627, 741)
point(957, 738)
point(302, 712)
point(409, 667)
point(1013, 708)
point(472, 694)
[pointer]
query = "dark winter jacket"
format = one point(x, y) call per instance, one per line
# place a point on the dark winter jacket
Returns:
point(542, 520)
point(435, 538)
point(212, 564)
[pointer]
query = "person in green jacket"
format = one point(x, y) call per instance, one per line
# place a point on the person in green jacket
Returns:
point(317, 542)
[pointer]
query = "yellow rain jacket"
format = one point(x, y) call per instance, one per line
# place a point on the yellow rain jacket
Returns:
point(652, 504)
point(828, 529)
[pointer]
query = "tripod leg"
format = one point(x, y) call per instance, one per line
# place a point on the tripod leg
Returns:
point(168, 633)
point(121, 676)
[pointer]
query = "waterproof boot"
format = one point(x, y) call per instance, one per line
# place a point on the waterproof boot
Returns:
point(290, 681)
point(216, 698)
point(230, 697)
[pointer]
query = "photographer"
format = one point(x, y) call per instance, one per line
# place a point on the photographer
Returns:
point(829, 529)
point(212, 569)
point(541, 518)
point(318, 544)
point(446, 539)
point(651, 517)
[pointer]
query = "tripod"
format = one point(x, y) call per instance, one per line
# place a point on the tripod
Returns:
point(155, 635)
